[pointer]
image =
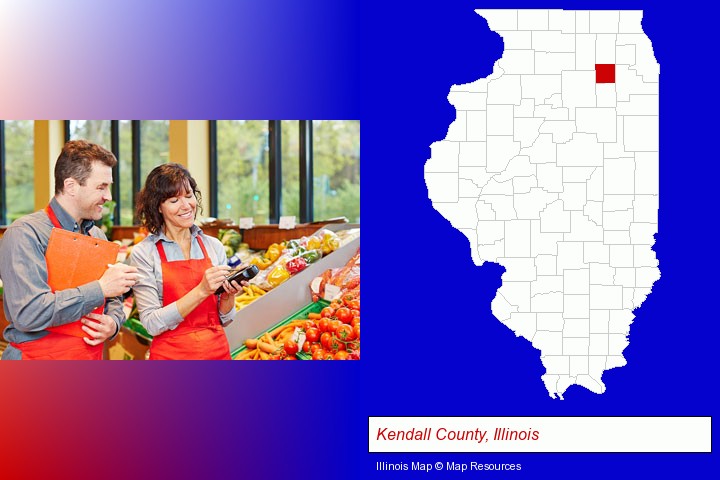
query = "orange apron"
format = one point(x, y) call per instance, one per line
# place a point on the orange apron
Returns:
point(66, 341)
point(200, 336)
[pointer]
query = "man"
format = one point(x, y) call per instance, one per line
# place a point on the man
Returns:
point(40, 316)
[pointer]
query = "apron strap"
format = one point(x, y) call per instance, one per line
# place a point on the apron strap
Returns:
point(52, 216)
point(202, 247)
point(161, 251)
point(163, 257)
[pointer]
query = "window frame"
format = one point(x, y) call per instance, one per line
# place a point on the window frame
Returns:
point(306, 172)
point(3, 217)
point(275, 168)
point(135, 163)
point(3, 176)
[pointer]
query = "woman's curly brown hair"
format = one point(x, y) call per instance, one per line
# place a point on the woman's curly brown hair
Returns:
point(163, 182)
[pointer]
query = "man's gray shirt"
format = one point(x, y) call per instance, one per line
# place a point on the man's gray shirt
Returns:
point(29, 303)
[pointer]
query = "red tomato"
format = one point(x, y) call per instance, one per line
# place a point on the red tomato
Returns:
point(343, 314)
point(318, 355)
point(306, 347)
point(325, 340)
point(328, 356)
point(323, 324)
point(356, 313)
point(355, 321)
point(291, 348)
point(314, 347)
point(353, 305)
point(334, 324)
point(344, 332)
point(336, 345)
point(347, 298)
point(341, 355)
point(356, 331)
point(312, 335)
point(327, 312)
point(291, 357)
point(308, 324)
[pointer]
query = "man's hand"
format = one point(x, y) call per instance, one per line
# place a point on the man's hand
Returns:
point(98, 327)
point(118, 279)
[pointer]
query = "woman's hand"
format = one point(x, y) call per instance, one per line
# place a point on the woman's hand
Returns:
point(232, 289)
point(214, 277)
point(227, 299)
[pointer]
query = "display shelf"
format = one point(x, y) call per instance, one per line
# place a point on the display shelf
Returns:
point(258, 238)
point(302, 313)
point(289, 296)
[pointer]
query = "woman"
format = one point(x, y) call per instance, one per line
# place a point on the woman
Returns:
point(180, 269)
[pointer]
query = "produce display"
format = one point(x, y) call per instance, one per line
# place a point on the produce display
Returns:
point(336, 334)
point(279, 261)
point(324, 331)
point(234, 246)
point(282, 260)
point(338, 282)
point(327, 329)
point(275, 344)
point(250, 294)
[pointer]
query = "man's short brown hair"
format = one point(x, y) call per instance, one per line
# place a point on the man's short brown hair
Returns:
point(76, 159)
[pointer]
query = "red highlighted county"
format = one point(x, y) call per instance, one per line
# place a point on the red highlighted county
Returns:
point(604, 73)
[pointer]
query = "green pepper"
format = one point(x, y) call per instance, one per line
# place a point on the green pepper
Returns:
point(312, 256)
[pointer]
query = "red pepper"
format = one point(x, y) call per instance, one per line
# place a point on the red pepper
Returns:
point(296, 265)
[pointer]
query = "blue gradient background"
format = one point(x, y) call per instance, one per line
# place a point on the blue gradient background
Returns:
point(430, 344)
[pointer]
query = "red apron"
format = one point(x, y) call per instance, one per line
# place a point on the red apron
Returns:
point(64, 342)
point(200, 336)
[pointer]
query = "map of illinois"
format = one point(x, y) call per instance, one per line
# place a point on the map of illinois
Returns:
point(551, 169)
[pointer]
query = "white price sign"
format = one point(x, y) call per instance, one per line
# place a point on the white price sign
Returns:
point(331, 292)
point(246, 223)
point(287, 223)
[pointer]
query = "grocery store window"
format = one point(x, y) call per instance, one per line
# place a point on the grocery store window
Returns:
point(95, 131)
point(124, 178)
point(154, 145)
point(16, 169)
point(102, 133)
point(242, 170)
point(281, 181)
point(290, 173)
point(336, 169)
point(139, 145)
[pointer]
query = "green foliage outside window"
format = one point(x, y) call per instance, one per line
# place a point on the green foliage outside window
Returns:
point(243, 155)
point(19, 169)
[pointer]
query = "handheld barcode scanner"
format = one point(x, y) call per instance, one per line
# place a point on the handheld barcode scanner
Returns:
point(245, 273)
